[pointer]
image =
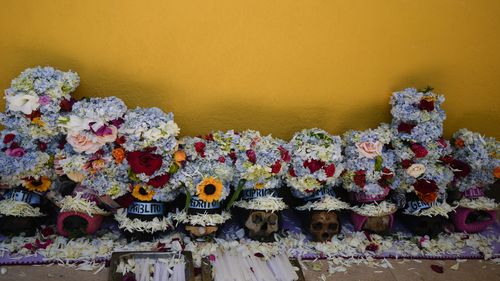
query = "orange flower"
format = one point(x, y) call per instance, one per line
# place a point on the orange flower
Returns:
point(459, 143)
point(41, 185)
point(118, 154)
point(98, 164)
point(179, 157)
point(427, 197)
point(38, 121)
point(496, 172)
point(259, 185)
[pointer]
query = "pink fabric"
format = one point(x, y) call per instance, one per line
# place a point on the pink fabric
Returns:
point(358, 221)
point(460, 215)
point(361, 197)
point(94, 222)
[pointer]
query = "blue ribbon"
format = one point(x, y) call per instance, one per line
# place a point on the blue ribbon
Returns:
point(24, 196)
point(146, 208)
point(254, 193)
point(196, 203)
point(321, 193)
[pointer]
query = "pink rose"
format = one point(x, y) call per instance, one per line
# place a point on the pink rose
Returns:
point(81, 143)
point(109, 135)
point(370, 149)
point(15, 152)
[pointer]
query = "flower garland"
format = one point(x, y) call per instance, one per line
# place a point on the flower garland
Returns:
point(9, 207)
point(136, 225)
point(316, 161)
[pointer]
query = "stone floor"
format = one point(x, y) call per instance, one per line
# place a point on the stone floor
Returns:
point(407, 271)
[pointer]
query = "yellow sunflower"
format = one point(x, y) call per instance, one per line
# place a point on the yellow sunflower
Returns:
point(142, 193)
point(209, 190)
point(41, 185)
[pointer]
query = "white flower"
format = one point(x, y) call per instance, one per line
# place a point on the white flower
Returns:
point(77, 124)
point(416, 170)
point(370, 149)
point(152, 134)
point(172, 128)
point(24, 103)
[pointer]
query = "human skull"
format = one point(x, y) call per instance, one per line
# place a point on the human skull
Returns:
point(379, 225)
point(200, 231)
point(262, 225)
point(324, 225)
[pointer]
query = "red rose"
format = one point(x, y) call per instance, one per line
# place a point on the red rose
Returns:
point(251, 156)
point(426, 104)
point(442, 142)
point(276, 167)
point(233, 156)
point(405, 127)
point(426, 190)
point(360, 178)
point(121, 140)
point(386, 177)
point(200, 148)
point(406, 163)
point(222, 159)
point(159, 181)
point(419, 150)
point(285, 155)
point(460, 169)
point(66, 105)
point(291, 171)
point(144, 162)
point(42, 146)
point(313, 165)
point(329, 170)
point(8, 138)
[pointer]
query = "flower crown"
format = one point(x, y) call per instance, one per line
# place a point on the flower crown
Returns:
point(316, 161)
point(36, 99)
point(23, 163)
point(417, 115)
point(369, 165)
point(261, 160)
point(93, 123)
point(207, 172)
point(148, 141)
point(479, 155)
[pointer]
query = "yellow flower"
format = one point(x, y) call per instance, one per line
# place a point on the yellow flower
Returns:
point(209, 190)
point(40, 185)
point(143, 194)
point(259, 185)
point(38, 121)
point(180, 157)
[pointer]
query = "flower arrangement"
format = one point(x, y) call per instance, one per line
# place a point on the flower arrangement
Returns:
point(417, 114)
point(36, 99)
point(261, 163)
point(316, 161)
point(369, 165)
point(206, 177)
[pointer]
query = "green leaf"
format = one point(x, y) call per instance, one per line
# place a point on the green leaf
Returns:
point(188, 199)
point(236, 194)
point(174, 168)
point(378, 163)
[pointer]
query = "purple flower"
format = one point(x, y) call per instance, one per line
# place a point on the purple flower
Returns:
point(44, 100)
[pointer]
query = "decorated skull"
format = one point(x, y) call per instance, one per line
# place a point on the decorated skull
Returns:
point(262, 225)
point(324, 225)
point(380, 224)
point(198, 231)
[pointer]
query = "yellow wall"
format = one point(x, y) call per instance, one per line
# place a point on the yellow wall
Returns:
point(272, 65)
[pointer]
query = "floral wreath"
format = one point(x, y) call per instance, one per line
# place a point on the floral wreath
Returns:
point(316, 161)
point(261, 162)
point(369, 165)
point(417, 114)
point(35, 100)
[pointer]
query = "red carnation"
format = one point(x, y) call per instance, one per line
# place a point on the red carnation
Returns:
point(442, 142)
point(285, 155)
point(144, 162)
point(222, 159)
point(426, 190)
point(426, 104)
point(360, 178)
point(460, 168)
point(8, 138)
point(232, 155)
point(251, 156)
point(200, 148)
point(313, 165)
point(291, 171)
point(276, 167)
point(67, 105)
point(159, 181)
point(329, 170)
point(419, 150)
point(405, 127)
point(121, 140)
point(406, 163)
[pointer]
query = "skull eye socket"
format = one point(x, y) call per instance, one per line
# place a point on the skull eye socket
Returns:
point(332, 226)
point(272, 219)
point(317, 226)
point(257, 218)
